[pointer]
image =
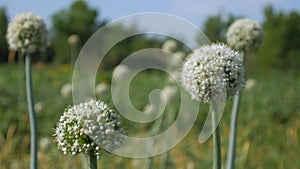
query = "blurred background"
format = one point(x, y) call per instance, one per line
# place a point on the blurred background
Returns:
point(269, 125)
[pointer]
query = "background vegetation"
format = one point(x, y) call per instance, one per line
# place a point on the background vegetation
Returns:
point(269, 126)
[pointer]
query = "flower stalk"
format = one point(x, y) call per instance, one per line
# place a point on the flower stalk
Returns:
point(243, 34)
point(213, 73)
point(217, 156)
point(169, 118)
point(26, 33)
point(32, 116)
point(233, 125)
point(92, 160)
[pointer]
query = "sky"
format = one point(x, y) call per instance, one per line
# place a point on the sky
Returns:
point(194, 11)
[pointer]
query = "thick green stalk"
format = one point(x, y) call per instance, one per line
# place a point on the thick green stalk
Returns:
point(32, 116)
point(21, 82)
point(165, 121)
point(170, 116)
point(217, 156)
point(156, 126)
point(149, 163)
point(164, 160)
point(93, 160)
point(233, 126)
point(74, 53)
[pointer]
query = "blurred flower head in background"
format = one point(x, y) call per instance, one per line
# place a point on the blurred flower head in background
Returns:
point(101, 88)
point(250, 84)
point(212, 71)
point(169, 45)
point(66, 90)
point(45, 143)
point(170, 92)
point(121, 71)
point(38, 107)
point(245, 34)
point(177, 58)
point(73, 39)
point(89, 126)
point(27, 32)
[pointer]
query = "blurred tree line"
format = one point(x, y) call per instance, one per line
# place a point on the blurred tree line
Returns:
point(3, 43)
point(281, 47)
point(81, 20)
point(76, 24)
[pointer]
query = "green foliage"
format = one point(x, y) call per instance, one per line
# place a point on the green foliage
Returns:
point(281, 45)
point(267, 126)
point(78, 19)
point(215, 27)
point(124, 47)
point(3, 27)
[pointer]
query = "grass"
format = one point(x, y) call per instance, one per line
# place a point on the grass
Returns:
point(268, 131)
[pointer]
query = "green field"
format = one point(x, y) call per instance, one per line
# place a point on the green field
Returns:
point(268, 131)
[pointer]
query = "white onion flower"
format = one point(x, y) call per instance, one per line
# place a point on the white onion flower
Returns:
point(169, 45)
point(73, 39)
point(177, 58)
point(170, 92)
point(27, 33)
point(38, 107)
point(245, 34)
point(120, 72)
point(150, 109)
point(174, 64)
point(174, 77)
point(101, 89)
point(89, 126)
point(66, 90)
point(45, 143)
point(250, 84)
point(213, 72)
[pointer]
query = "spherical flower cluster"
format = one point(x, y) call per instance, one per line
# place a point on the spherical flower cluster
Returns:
point(176, 59)
point(101, 88)
point(27, 33)
point(213, 72)
point(169, 45)
point(66, 90)
point(169, 92)
point(121, 71)
point(89, 126)
point(250, 84)
point(245, 34)
point(73, 39)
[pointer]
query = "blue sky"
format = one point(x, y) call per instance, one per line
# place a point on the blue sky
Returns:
point(194, 11)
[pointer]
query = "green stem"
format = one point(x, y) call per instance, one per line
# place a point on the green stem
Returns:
point(74, 53)
point(233, 126)
point(93, 160)
point(217, 156)
point(170, 116)
point(32, 116)
point(149, 163)
point(20, 82)
point(166, 120)
point(156, 126)
point(164, 160)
